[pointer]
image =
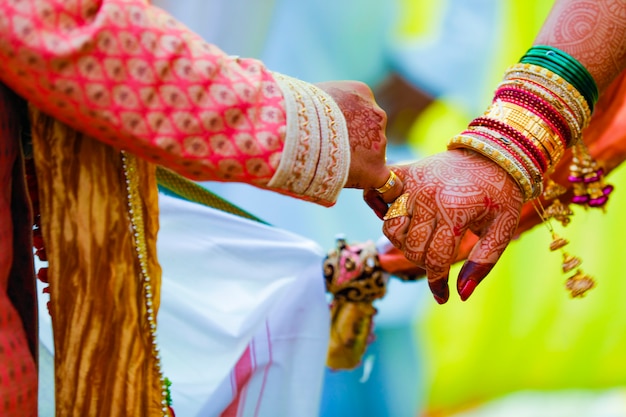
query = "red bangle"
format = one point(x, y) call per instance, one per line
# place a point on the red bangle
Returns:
point(538, 106)
point(511, 132)
point(500, 144)
point(555, 97)
point(521, 146)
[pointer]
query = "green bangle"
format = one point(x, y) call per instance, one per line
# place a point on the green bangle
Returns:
point(560, 65)
point(588, 83)
point(569, 72)
point(564, 73)
point(589, 78)
point(566, 67)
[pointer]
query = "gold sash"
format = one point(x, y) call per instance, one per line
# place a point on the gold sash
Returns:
point(104, 365)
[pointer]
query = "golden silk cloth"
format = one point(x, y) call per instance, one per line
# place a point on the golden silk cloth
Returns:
point(104, 364)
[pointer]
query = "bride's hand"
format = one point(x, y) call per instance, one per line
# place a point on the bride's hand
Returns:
point(445, 196)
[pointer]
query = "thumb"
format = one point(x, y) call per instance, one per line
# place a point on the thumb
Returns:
point(472, 273)
point(375, 201)
point(378, 199)
point(482, 258)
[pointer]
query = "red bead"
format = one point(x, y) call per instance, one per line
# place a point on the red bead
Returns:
point(42, 275)
point(41, 254)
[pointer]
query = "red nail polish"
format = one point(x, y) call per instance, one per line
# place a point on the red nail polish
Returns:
point(468, 289)
point(438, 299)
point(470, 276)
point(440, 290)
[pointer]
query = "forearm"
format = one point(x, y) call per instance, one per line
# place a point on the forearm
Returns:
point(131, 76)
point(593, 32)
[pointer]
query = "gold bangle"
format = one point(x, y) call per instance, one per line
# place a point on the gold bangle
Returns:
point(555, 84)
point(531, 126)
point(501, 157)
point(514, 148)
point(559, 104)
point(534, 178)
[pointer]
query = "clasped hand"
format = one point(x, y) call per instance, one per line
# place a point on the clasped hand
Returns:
point(436, 201)
point(447, 195)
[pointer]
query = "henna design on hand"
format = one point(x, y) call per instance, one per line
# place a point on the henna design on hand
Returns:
point(365, 124)
point(365, 120)
point(451, 193)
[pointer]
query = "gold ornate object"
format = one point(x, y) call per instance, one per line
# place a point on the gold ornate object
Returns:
point(351, 324)
point(553, 190)
point(570, 262)
point(579, 283)
point(587, 178)
point(559, 212)
point(355, 278)
point(135, 212)
point(398, 208)
point(530, 125)
point(557, 242)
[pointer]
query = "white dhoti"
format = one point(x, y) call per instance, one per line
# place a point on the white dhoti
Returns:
point(243, 324)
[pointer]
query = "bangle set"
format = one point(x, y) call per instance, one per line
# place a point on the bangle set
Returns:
point(539, 110)
point(541, 107)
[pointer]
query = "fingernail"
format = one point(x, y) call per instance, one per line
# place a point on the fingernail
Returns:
point(439, 300)
point(470, 276)
point(440, 290)
point(468, 289)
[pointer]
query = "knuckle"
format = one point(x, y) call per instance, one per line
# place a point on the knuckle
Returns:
point(415, 256)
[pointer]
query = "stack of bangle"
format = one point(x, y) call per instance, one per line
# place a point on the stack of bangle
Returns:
point(538, 111)
point(567, 67)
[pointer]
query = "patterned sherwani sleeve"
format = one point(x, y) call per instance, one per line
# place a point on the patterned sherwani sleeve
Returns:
point(130, 75)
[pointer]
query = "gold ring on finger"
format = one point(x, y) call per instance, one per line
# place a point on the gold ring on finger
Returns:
point(398, 208)
point(391, 181)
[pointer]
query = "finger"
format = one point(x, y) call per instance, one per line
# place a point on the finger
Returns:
point(391, 186)
point(440, 254)
point(439, 289)
point(396, 231)
point(472, 273)
point(421, 231)
point(397, 220)
point(482, 258)
point(422, 226)
point(375, 201)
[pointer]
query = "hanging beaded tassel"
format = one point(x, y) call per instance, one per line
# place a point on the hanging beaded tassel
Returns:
point(136, 218)
point(587, 178)
point(556, 210)
point(590, 190)
point(579, 283)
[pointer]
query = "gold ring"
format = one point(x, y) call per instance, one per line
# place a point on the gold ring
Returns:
point(391, 181)
point(398, 208)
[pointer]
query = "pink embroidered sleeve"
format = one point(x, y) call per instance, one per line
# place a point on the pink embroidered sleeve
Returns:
point(130, 75)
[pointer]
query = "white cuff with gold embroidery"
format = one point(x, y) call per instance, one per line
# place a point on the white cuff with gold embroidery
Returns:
point(316, 155)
